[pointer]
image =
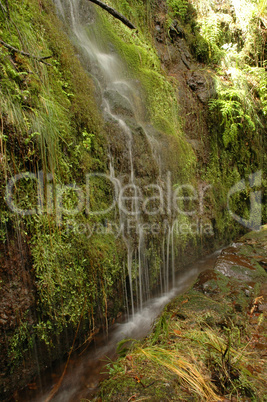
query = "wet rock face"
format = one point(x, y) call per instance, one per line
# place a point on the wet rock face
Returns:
point(118, 103)
point(202, 85)
point(17, 290)
point(245, 259)
point(17, 301)
point(237, 270)
point(204, 283)
point(194, 84)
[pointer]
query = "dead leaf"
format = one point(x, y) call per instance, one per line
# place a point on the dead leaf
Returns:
point(258, 300)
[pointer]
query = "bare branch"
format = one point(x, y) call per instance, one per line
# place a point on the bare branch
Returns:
point(40, 59)
point(115, 13)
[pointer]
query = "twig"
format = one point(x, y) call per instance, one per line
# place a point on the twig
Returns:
point(132, 397)
point(115, 13)
point(88, 341)
point(40, 59)
point(137, 379)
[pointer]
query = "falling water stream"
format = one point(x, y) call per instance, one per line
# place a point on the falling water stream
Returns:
point(86, 370)
point(112, 81)
point(108, 72)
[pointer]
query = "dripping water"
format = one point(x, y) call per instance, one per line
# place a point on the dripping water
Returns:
point(110, 75)
point(84, 371)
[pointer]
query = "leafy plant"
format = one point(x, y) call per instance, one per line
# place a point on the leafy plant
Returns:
point(179, 8)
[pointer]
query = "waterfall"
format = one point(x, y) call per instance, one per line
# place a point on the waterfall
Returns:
point(110, 76)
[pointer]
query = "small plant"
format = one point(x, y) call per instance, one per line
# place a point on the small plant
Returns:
point(21, 342)
point(113, 367)
point(87, 140)
point(179, 8)
point(160, 330)
point(124, 345)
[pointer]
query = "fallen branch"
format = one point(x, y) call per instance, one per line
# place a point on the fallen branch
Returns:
point(115, 13)
point(40, 59)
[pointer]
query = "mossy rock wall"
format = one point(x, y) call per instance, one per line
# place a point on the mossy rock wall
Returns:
point(54, 274)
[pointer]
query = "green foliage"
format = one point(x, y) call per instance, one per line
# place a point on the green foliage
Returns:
point(234, 37)
point(212, 33)
point(50, 123)
point(160, 331)
point(179, 8)
point(124, 345)
point(73, 275)
point(21, 342)
point(241, 24)
point(234, 117)
point(258, 78)
point(138, 12)
point(240, 116)
point(87, 140)
point(113, 368)
point(200, 47)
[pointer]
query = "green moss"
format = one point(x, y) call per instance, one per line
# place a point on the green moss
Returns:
point(160, 98)
point(51, 122)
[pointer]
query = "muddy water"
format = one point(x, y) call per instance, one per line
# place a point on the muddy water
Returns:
point(85, 371)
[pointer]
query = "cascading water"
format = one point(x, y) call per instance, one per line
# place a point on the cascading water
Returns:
point(117, 91)
point(84, 371)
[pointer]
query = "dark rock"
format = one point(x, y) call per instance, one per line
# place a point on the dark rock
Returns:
point(176, 31)
point(159, 32)
point(202, 84)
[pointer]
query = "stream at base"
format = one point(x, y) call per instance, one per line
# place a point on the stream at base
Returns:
point(84, 372)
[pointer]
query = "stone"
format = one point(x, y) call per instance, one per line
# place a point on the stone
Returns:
point(176, 31)
point(202, 85)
